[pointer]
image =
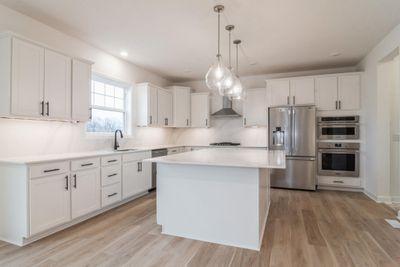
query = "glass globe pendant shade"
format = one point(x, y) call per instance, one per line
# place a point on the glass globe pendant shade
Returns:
point(237, 90)
point(216, 76)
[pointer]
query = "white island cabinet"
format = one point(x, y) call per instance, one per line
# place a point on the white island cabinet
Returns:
point(218, 195)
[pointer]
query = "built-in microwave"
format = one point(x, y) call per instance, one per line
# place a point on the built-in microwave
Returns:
point(339, 128)
point(339, 159)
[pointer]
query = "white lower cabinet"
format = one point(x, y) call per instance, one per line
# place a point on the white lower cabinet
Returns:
point(85, 192)
point(110, 194)
point(45, 197)
point(50, 199)
point(136, 176)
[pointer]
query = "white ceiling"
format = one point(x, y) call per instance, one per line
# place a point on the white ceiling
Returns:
point(177, 38)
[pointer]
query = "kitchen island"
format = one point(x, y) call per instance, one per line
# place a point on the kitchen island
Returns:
point(216, 195)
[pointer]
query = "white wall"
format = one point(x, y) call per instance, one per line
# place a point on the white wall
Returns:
point(231, 129)
point(378, 118)
point(19, 137)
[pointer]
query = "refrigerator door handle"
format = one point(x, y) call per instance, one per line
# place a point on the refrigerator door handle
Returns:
point(293, 145)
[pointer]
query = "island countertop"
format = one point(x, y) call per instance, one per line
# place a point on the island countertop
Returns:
point(228, 157)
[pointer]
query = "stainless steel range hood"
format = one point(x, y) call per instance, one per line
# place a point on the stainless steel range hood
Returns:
point(226, 110)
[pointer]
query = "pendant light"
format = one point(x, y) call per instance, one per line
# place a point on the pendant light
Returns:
point(237, 92)
point(218, 72)
point(228, 82)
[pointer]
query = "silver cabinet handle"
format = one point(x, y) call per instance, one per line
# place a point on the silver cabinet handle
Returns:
point(338, 182)
point(87, 164)
point(112, 175)
point(206, 122)
point(42, 108)
point(151, 119)
point(336, 104)
point(75, 184)
point(51, 170)
point(244, 121)
point(90, 113)
point(294, 100)
point(187, 122)
point(288, 100)
point(48, 108)
point(113, 194)
point(112, 160)
point(66, 183)
point(340, 104)
point(140, 167)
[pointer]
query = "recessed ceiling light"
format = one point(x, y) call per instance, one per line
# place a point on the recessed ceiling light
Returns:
point(123, 53)
point(335, 54)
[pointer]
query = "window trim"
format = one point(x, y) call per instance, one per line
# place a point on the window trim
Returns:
point(117, 83)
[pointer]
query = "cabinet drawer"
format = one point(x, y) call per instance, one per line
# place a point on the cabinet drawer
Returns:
point(110, 194)
point(111, 160)
point(110, 175)
point(137, 156)
point(46, 169)
point(339, 181)
point(84, 164)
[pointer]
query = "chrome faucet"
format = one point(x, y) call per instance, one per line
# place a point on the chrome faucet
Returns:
point(116, 145)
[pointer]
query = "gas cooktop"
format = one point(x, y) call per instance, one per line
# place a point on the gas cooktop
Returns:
point(225, 144)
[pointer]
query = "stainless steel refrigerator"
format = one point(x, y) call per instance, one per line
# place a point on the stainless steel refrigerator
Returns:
point(292, 128)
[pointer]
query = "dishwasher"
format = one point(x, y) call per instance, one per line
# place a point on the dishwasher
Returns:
point(154, 154)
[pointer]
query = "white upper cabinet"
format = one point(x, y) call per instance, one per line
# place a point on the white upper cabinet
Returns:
point(338, 92)
point(181, 106)
point(164, 107)
point(292, 91)
point(27, 76)
point(255, 108)
point(302, 91)
point(81, 87)
point(200, 110)
point(57, 85)
point(36, 82)
point(146, 96)
point(326, 92)
point(85, 192)
point(278, 92)
point(349, 92)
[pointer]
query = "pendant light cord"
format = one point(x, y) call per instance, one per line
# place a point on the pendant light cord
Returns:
point(219, 33)
point(237, 59)
point(230, 61)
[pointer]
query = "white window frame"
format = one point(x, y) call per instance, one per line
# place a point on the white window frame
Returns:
point(125, 111)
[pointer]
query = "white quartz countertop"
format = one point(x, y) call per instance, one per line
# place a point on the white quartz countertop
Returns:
point(228, 157)
point(33, 159)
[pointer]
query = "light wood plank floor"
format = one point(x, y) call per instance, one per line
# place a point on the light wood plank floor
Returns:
point(304, 229)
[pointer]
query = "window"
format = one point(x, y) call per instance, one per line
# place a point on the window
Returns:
point(109, 106)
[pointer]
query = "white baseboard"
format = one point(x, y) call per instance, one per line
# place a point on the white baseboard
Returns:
point(396, 199)
point(378, 199)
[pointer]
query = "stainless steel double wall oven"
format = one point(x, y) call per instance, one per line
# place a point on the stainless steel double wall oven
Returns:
point(336, 157)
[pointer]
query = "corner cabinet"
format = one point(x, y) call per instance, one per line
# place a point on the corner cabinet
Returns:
point(338, 92)
point(36, 81)
point(255, 108)
point(181, 106)
point(200, 110)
